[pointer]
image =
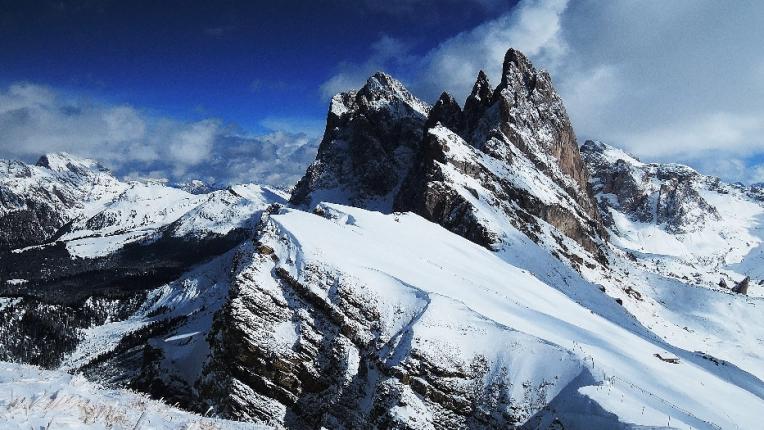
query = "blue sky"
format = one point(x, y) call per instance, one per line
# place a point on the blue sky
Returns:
point(242, 61)
point(237, 91)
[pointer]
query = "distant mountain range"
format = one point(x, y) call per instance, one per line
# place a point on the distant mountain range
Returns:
point(444, 266)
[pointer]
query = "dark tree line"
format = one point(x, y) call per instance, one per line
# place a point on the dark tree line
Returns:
point(35, 332)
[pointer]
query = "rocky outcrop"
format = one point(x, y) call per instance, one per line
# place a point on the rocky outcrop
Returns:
point(534, 119)
point(663, 194)
point(310, 346)
point(742, 286)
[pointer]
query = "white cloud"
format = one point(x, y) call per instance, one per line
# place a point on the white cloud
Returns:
point(123, 123)
point(686, 82)
point(36, 120)
point(532, 27)
point(735, 134)
point(295, 125)
point(192, 144)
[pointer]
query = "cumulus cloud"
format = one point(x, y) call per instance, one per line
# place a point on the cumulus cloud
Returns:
point(36, 120)
point(191, 144)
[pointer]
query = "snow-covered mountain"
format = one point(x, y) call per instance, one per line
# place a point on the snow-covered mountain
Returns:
point(436, 267)
point(691, 226)
point(89, 247)
point(36, 201)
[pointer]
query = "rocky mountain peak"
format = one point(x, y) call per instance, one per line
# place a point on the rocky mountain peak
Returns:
point(368, 147)
point(530, 106)
point(446, 111)
point(382, 89)
point(36, 201)
point(477, 103)
point(515, 62)
point(482, 91)
point(386, 150)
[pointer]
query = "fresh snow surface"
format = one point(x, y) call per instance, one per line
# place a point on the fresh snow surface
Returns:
point(228, 209)
point(31, 398)
point(669, 281)
point(503, 311)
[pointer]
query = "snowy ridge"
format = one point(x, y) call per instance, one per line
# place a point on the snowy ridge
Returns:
point(69, 183)
point(180, 351)
point(408, 253)
point(144, 210)
point(35, 201)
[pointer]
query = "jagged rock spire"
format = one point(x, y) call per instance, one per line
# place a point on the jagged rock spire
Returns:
point(368, 147)
point(446, 111)
point(477, 102)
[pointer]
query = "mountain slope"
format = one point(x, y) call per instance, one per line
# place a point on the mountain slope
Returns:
point(101, 247)
point(685, 221)
point(406, 325)
point(36, 201)
point(682, 242)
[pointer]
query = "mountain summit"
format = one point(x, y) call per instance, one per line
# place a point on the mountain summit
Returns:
point(509, 158)
point(369, 146)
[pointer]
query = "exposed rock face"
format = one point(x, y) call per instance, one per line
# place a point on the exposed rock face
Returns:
point(477, 103)
point(674, 220)
point(505, 141)
point(368, 147)
point(522, 122)
point(742, 287)
point(535, 120)
point(662, 194)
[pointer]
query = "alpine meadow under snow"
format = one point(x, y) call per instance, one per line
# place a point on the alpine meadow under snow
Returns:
point(437, 267)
